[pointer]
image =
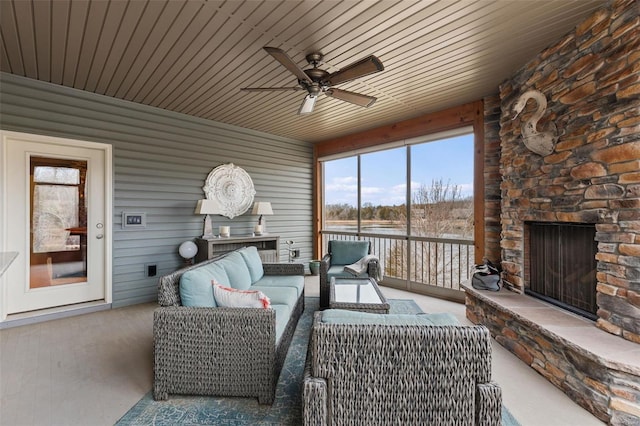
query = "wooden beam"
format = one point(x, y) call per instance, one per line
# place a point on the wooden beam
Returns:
point(448, 119)
point(478, 184)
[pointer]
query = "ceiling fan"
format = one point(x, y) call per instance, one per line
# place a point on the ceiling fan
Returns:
point(316, 81)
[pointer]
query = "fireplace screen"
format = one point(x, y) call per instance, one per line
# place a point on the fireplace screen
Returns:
point(562, 265)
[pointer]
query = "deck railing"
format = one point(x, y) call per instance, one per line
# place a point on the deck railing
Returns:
point(414, 263)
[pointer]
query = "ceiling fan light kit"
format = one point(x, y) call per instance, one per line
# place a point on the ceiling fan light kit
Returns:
point(317, 81)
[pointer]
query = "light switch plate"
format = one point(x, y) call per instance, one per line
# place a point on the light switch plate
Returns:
point(134, 220)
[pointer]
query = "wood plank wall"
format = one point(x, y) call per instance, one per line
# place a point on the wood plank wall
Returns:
point(161, 161)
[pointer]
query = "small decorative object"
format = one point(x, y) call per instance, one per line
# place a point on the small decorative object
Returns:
point(314, 267)
point(232, 187)
point(261, 208)
point(208, 207)
point(542, 143)
point(225, 231)
point(188, 251)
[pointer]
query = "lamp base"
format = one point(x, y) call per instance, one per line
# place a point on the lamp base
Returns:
point(208, 228)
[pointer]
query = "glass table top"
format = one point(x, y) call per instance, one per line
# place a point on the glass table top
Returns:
point(354, 290)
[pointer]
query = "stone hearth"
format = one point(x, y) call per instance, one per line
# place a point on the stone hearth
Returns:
point(599, 371)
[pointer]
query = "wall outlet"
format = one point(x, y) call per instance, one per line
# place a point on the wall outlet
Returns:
point(151, 269)
point(296, 253)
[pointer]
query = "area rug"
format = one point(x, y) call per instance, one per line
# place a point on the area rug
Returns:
point(286, 410)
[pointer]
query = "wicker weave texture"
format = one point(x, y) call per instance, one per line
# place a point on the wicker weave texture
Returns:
point(218, 351)
point(400, 375)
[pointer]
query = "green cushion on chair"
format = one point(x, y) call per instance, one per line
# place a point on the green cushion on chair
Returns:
point(337, 271)
point(347, 252)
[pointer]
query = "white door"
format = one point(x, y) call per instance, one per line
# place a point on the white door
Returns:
point(56, 215)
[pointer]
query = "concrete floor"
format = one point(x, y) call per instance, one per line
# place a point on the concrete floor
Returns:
point(91, 369)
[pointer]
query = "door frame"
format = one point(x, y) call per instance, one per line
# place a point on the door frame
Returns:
point(108, 213)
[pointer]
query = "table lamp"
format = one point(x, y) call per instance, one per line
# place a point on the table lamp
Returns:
point(262, 208)
point(208, 207)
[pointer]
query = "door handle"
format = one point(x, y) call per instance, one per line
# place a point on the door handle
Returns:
point(99, 236)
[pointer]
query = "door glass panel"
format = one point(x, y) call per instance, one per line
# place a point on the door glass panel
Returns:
point(58, 222)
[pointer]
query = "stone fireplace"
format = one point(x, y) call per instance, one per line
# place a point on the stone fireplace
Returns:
point(591, 81)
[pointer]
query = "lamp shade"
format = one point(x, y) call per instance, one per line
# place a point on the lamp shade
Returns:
point(262, 208)
point(188, 250)
point(208, 207)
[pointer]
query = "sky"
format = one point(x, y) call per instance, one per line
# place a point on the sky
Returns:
point(384, 172)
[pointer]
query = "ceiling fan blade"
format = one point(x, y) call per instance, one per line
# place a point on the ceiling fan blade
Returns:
point(307, 105)
point(354, 98)
point(280, 56)
point(363, 67)
point(264, 89)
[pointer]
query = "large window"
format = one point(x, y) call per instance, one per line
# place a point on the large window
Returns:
point(368, 192)
point(383, 189)
point(340, 188)
point(442, 188)
point(414, 202)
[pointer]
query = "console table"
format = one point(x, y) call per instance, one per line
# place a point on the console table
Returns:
point(267, 245)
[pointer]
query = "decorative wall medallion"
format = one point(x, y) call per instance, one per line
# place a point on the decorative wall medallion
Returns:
point(232, 187)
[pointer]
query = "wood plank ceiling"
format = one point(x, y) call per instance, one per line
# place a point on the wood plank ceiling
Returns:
point(193, 56)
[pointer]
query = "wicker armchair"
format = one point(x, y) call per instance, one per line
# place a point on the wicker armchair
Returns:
point(333, 266)
point(371, 374)
point(219, 351)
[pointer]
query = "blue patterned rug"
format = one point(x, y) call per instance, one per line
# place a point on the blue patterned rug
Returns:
point(286, 410)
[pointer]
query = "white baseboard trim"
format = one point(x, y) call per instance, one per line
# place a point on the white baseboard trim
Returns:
point(34, 317)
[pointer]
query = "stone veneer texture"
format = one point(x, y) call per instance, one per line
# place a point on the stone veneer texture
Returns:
point(492, 178)
point(591, 79)
point(608, 390)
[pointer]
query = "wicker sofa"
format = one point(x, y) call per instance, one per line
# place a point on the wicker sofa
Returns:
point(226, 351)
point(374, 369)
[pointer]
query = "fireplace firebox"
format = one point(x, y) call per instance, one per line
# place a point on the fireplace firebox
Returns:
point(562, 265)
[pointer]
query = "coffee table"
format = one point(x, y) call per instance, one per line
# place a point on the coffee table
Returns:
point(357, 294)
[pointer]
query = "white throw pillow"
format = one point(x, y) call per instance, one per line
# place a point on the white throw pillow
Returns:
point(228, 297)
